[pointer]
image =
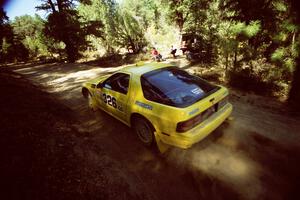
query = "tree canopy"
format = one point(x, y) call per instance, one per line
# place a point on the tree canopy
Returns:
point(254, 38)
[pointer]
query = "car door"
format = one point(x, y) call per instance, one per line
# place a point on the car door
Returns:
point(115, 94)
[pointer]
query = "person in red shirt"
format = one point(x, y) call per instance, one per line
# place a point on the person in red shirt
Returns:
point(155, 55)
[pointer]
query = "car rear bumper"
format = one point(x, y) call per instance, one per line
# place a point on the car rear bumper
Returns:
point(187, 139)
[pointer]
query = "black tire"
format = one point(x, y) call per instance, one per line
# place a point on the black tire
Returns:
point(85, 93)
point(144, 131)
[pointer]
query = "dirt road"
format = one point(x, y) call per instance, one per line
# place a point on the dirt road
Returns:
point(254, 156)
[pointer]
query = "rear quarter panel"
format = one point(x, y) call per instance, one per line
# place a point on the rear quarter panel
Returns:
point(165, 118)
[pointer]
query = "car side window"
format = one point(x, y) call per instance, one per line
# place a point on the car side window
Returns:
point(118, 82)
point(151, 93)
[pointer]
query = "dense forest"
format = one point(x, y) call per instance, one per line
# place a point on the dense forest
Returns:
point(256, 42)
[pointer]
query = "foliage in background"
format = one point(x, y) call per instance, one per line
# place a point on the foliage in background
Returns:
point(122, 29)
point(11, 46)
point(294, 93)
point(63, 25)
point(255, 41)
point(30, 31)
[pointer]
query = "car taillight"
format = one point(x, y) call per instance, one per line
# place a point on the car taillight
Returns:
point(189, 124)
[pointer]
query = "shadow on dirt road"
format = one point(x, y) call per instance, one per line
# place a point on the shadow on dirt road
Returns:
point(254, 156)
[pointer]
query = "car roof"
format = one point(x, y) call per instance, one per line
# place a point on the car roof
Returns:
point(144, 68)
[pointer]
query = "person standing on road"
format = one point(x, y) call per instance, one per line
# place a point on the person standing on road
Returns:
point(173, 51)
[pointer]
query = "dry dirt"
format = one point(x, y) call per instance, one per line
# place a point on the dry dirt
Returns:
point(54, 147)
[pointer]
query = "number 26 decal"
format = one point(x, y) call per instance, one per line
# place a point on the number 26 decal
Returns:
point(110, 100)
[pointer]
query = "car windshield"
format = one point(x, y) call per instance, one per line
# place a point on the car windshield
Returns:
point(175, 87)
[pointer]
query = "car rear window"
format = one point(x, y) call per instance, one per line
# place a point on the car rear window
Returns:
point(175, 87)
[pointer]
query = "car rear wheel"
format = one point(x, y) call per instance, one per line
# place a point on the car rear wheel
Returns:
point(144, 131)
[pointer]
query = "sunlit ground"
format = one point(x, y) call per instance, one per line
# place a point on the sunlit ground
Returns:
point(65, 77)
point(217, 159)
point(230, 166)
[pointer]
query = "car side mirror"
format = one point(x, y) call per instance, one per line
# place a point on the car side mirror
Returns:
point(93, 86)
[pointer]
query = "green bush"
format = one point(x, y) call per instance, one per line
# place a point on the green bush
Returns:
point(258, 77)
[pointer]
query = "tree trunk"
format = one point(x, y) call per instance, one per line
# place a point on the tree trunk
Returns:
point(226, 62)
point(52, 6)
point(294, 94)
point(133, 47)
point(59, 5)
point(180, 20)
point(235, 57)
point(71, 51)
point(293, 42)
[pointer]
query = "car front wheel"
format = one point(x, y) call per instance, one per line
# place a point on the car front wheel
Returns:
point(90, 100)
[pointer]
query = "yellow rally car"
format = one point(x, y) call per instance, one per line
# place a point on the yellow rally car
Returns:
point(163, 103)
